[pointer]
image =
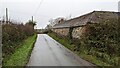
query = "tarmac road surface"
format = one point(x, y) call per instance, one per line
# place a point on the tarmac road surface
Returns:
point(48, 52)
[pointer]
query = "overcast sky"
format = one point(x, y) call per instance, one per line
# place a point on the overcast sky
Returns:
point(44, 10)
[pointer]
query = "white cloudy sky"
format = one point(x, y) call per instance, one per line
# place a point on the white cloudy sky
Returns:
point(22, 10)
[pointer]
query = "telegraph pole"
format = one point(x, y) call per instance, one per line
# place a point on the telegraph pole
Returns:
point(32, 22)
point(6, 15)
point(32, 19)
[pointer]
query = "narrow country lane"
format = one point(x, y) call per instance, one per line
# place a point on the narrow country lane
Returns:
point(48, 52)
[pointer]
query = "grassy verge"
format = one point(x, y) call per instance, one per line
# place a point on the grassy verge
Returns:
point(21, 55)
point(83, 54)
point(64, 42)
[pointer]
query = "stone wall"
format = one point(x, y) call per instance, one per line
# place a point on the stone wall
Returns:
point(62, 31)
point(76, 32)
point(79, 31)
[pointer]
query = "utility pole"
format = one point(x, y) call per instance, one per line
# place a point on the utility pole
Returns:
point(32, 22)
point(6, 15)
point(32, 19)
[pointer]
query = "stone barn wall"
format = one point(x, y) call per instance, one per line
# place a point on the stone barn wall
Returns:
point(76, 33)
point(61, 31)
point(79, 31)
point(79, 26)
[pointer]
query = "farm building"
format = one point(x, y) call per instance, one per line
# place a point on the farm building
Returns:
point(76, 27)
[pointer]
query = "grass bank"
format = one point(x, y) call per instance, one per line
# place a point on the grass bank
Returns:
point(64, 42)
point(21, 55)
point(82, 53)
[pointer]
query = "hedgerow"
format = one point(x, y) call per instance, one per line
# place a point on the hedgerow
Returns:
point(13, 34)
